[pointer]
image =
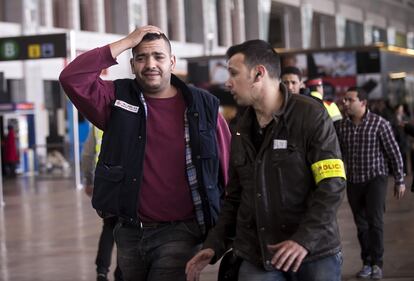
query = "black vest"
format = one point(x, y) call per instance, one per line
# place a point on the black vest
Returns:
point(119, 170)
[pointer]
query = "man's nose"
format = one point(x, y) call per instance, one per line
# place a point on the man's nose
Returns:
point(150, 62)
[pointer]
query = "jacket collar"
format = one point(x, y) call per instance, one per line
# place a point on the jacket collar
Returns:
point(247, 118)
point(286, 98)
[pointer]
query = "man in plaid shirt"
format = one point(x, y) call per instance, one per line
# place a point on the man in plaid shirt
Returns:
point(368, 145)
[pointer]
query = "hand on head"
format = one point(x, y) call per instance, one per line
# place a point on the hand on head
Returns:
point(135, 37)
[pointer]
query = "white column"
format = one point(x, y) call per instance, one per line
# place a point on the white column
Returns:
point(286, 31)
point(306, 13)
point(367, 33)
point(46, 13)
point(137, 13)
point(73, 14)
point(98, 15)
point(238, 22)
point(30, 16)
point(225, 22)
point(391, 32)
point(210, 26)
point(264, 17)
point(157, 11)
point(34, 89)
point(33, 81)
point(340, 25)
point(178, 22)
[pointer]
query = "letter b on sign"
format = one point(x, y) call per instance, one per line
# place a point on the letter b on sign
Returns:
point(9, 50)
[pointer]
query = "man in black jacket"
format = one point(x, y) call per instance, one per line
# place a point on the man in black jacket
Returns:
point(286, 179)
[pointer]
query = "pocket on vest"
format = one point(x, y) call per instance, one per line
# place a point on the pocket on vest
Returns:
point(107, 187)
point(208, 146)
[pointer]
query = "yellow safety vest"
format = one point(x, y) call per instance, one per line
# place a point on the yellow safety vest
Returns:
point(333, 111)
point(98, 141)
point(331, 107)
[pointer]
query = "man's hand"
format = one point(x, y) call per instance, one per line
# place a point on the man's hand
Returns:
point(399, 191)
point(89, 190)
point(135, 37)
point(198, 263)
point(288, 255)
point(132, 40)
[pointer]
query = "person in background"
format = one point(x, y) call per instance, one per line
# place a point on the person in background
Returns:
point(90, 152)
point(400, 117)
point(11, 157)
point(315, 86)
point(163, 163)
point(287, 179)
point(292, 78)
point(408, 128)
point(368, 144)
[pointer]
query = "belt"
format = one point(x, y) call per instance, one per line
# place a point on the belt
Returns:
point(143, 225)
point(158, 224)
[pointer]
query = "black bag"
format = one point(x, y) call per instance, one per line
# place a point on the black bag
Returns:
point(229, 267)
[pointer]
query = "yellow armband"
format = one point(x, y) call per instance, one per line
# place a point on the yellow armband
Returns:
point(328, 168)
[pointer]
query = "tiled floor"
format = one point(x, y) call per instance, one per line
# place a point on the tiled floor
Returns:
point(48, 232)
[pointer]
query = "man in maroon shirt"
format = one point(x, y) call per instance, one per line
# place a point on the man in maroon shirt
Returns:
point(164, 156)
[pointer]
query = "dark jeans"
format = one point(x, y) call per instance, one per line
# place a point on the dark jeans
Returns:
point(325, 269)
point(367, 201)
point(157, 253)
point(105, 246)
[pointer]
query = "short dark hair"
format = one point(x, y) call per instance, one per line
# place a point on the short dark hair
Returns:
point(361, 93)
point(258, 52)
point(152, 37)
point(292, 70)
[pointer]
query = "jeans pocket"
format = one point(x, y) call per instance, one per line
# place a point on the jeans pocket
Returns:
point(192, 228)
point(340, 258)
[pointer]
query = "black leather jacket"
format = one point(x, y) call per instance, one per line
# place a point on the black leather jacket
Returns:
point(272, 194)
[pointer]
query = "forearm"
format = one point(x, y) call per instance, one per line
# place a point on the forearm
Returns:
point(393, 153)
point(120, 46)
point(89, 93)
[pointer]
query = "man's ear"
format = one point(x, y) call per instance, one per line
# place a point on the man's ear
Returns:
point(131, 62)
point(364, 102)
point(173, 62)
point(259, 72)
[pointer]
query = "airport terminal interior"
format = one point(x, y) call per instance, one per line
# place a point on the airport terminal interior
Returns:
point(48, 228)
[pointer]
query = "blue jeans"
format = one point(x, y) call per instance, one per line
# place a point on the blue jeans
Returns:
point(157, 253)
point(325, 269)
